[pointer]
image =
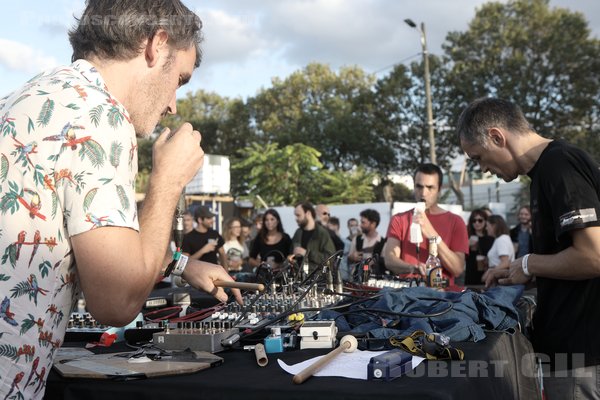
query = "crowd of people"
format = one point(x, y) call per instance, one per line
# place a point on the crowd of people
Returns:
point(466, 251)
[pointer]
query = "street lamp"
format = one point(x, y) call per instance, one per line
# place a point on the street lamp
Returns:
point(410, 23)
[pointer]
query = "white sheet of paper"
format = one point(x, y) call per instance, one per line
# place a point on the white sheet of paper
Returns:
point(347, 365)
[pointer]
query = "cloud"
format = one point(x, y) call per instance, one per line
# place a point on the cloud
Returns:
point(20, 57)
point(369, 33)
point(230, 38)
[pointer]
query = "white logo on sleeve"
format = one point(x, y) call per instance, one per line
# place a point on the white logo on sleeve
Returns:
point(578, 217)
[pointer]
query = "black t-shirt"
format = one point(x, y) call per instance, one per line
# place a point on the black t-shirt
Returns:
point(194, 241)
point(278, 251)
point(472, 275)
point(565, 195)
point(306, 236)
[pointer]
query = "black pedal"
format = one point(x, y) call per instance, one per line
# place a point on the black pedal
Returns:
point(389, 365)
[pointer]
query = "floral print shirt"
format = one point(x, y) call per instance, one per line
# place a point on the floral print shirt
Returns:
point(68, 161)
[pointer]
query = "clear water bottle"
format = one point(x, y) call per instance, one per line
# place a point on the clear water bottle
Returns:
point(415, 229)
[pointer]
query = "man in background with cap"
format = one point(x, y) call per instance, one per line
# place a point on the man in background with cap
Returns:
point(204, 243)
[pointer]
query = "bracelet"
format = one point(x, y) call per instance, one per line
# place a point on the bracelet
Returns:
point(524, 265)
point(176, 264)
point(180, 266)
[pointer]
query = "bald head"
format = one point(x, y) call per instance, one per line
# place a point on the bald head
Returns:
point(323, 214)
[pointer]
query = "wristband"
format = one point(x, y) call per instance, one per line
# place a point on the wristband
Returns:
point(180, 265)
point(524, 265)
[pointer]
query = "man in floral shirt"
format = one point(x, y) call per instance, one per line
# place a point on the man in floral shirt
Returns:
point(68, 161)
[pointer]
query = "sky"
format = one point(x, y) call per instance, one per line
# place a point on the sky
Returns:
point(249, 42)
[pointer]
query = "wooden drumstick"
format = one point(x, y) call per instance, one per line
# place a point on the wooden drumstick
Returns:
point(347, 345)
point(240, 285)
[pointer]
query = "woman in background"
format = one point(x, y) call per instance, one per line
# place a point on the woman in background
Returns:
point(234, 245)
point(271, 245)
point(479, 245)
point(502, 252)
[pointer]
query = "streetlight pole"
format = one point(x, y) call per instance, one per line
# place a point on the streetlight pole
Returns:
point(410, 23)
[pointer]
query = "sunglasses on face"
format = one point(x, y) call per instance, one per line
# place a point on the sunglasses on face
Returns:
point(480, 220)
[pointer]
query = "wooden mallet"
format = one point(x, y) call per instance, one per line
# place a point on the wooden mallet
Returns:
point(347, 345)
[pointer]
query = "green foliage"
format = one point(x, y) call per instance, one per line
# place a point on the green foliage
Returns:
point(223, 123)
point(346, 187)
point(330, 112)
point(280, 176)
point(288, 175)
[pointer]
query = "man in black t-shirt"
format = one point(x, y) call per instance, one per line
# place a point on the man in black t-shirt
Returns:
point(204, 243)
point(565, 205)
point(310, 236)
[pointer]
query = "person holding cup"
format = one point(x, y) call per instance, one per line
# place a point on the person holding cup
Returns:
point(479, 245)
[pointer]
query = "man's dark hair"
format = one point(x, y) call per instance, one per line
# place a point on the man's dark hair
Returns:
point(308, 208)
point(485, 113)
point(430, 169)
point(371, 215)
point(334, 221)
point(115, 30)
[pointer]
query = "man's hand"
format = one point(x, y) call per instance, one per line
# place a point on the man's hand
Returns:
point(355, 256)
point(177, 156)
point(201, 275)
point(299, 251)
point(491, 275)
point(515, 275)
point(208, 247)
point(426, 227)
point(421, 269)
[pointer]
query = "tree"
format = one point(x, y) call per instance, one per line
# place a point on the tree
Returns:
point(331, 112)
point(223, 123)
point(288, 175)
point(346, 187)
point(400, 110)
point(280, 176)
point(543, 59)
